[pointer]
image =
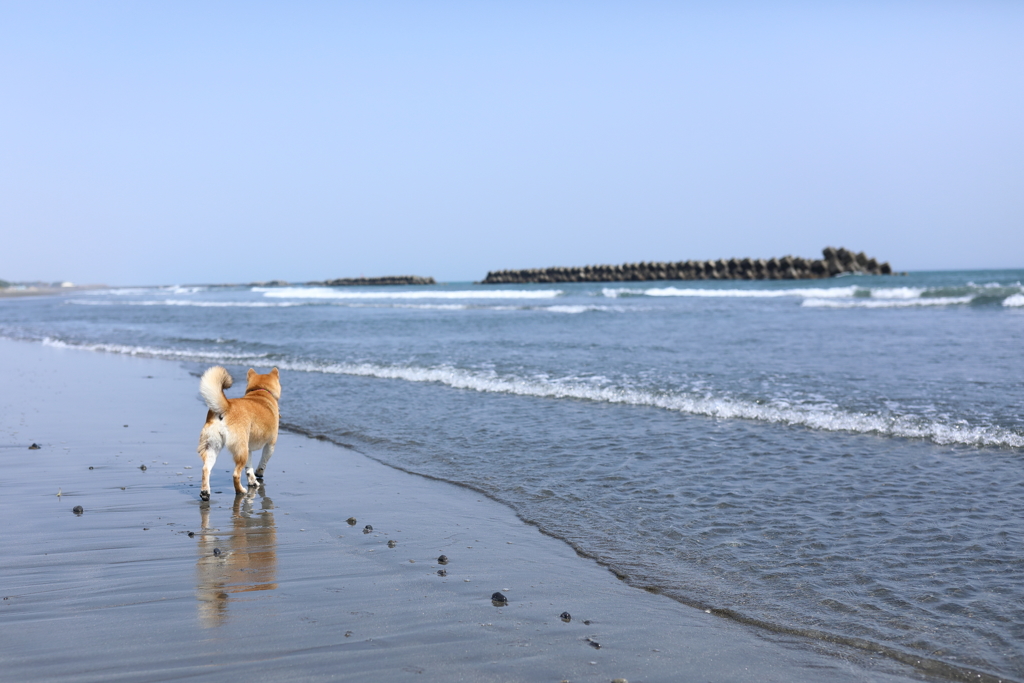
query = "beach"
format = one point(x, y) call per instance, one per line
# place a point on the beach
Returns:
point(148, 583)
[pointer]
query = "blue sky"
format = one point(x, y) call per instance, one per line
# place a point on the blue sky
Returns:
point(188, 142)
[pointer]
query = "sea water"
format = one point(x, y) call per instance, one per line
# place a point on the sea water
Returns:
point(838, 460)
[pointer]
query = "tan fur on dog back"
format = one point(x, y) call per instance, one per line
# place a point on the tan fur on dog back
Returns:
point(212, 386)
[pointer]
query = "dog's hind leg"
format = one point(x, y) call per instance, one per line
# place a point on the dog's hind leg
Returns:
point(268, 451)
point(209, 457)
point(241, 457)
point(210, 443)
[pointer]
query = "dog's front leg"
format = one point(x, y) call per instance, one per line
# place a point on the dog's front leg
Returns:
point(250, 475)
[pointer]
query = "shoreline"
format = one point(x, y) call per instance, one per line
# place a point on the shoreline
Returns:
point(296, 593)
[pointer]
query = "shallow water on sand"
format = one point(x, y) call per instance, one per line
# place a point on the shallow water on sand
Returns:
point(840, 459)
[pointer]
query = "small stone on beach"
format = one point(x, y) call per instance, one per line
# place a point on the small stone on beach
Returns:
point(499, 600)
point(216, 551)
point(78, 509)
point(191, 534)
point(91, 467)
point(565, 616)
point(367, 529)
point(392, 544)
point(142, 467)
point(442, 559)
point(442, 572)
point(351, 521)
point(34, 447)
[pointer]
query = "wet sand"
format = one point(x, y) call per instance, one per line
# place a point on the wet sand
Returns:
point(277, 586)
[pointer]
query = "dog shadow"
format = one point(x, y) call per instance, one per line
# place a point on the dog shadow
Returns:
point(240, 560)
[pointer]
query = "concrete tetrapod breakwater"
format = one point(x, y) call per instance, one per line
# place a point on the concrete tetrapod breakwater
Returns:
point(835, 262)
point(385, 280)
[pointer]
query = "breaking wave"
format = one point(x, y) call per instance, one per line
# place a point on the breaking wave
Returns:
point(854, 296)
point(213, 356)
point(184, 302)
point(812, 416)
point(331, 293)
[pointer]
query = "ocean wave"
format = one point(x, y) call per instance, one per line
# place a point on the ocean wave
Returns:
point(183, 302)
point(885, 303)
point(575, 309)
point(616, 292)
point(117, 291)
point(213, 356)
point(854, 296)
point(812, 416)
point(825, 418)
point(178, 289)
point(330, 293)
point(1015, 301)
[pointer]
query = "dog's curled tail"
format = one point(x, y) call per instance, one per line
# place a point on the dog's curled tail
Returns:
point(212, 386)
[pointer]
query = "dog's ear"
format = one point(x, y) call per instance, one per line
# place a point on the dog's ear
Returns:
point(250, 373)
point(274, 372)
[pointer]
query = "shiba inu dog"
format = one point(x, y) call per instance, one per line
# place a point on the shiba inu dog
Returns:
point(242, 424)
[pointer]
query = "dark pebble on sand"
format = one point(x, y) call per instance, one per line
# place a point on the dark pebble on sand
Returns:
point(216, 551)
point(442, 572)
point(90, 467)
point(34, 447)
point(392, 544)
point(78, 509)
point(443, 559)
point(499, 600)
point(594, 644)
point(367, 529)
point(142, 467)
point(191, 534)
point(565, 616)
point(351, 521)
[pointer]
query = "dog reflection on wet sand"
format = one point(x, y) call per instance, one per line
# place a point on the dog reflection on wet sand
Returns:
point(247, 560)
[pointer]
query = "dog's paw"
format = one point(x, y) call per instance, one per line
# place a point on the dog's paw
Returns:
point(204, 496)
point(259, 475)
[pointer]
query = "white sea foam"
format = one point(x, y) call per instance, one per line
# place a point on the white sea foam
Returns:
point(332, 293)
point(178, 289)
point(897, 292)
point(573, 309)
point(824, 418)
point(1015, 301)
point(120, 291)
point(821, 417)
point(887, 303)
point(183, 302)
point(821, 292)
point(154, 352)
